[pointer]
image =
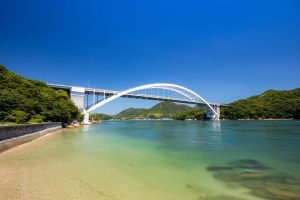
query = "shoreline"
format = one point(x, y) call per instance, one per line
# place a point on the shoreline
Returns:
point(8, 144)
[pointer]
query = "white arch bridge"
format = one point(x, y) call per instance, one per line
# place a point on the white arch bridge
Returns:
point(89, 99)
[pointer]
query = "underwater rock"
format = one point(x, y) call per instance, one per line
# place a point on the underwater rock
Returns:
point(248, 164)
point(219, 168)
point(219, 197)
point(281, 193)
point(271, 178)
point(242, 176)
point(226, 176)
point(263, 177)
point(194, 188)
point(253, 175)
point(276, 193)
point(189, 186)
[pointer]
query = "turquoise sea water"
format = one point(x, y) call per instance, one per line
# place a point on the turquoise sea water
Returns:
point(158, 160)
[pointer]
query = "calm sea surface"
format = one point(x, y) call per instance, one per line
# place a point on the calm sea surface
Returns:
point(160, 160)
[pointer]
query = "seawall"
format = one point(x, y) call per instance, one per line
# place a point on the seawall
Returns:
point(13, 135)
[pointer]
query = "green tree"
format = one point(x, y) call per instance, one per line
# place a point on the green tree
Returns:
point(36, 119)
point(196, 114)
point(17, 116)
point(36, 101)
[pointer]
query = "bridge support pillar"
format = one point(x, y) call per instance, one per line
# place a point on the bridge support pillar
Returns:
point(86, 119)
point(77, 96)
point(218, 111)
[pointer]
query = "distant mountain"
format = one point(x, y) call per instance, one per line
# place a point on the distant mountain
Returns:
point(131, 113)
point(273, 104)
point(99, 116)
point(168, 109)
point(163, 109)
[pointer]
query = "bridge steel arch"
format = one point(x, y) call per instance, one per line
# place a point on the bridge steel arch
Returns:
point(193, 96)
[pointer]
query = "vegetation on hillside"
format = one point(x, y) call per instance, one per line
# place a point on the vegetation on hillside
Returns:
point(100, 116)
point(270, 104)
point(29, 101)
point(161, 110)
point(196, 114)
point(131, 113)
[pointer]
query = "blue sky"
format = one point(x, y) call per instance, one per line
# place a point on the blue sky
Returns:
point(223, 50)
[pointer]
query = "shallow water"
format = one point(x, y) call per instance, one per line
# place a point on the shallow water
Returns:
point(158, 160)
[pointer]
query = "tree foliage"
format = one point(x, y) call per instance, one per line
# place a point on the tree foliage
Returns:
point(23, 100)
point(196, 114)
point(270, 104)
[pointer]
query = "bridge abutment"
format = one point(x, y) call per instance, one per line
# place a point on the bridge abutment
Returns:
point(86, 119)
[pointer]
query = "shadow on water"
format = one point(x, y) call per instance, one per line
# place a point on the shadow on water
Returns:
point(261, 180)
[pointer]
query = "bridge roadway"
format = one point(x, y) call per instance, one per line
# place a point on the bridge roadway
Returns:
point(108, 93)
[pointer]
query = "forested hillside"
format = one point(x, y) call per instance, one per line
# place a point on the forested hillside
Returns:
point(99, 116)
point(196, 114)
point(163, 109)
point(29, 101)
point(270, 104)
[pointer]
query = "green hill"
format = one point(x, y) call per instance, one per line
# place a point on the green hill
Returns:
point(29, 101)
point(270, 104)
point(131, 113)
point(100, 116)
point(196, 114)
point(163, 109)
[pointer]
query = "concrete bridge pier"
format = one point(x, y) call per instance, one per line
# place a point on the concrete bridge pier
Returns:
point(86, 119)
point(77, 96)
point(218, 110)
